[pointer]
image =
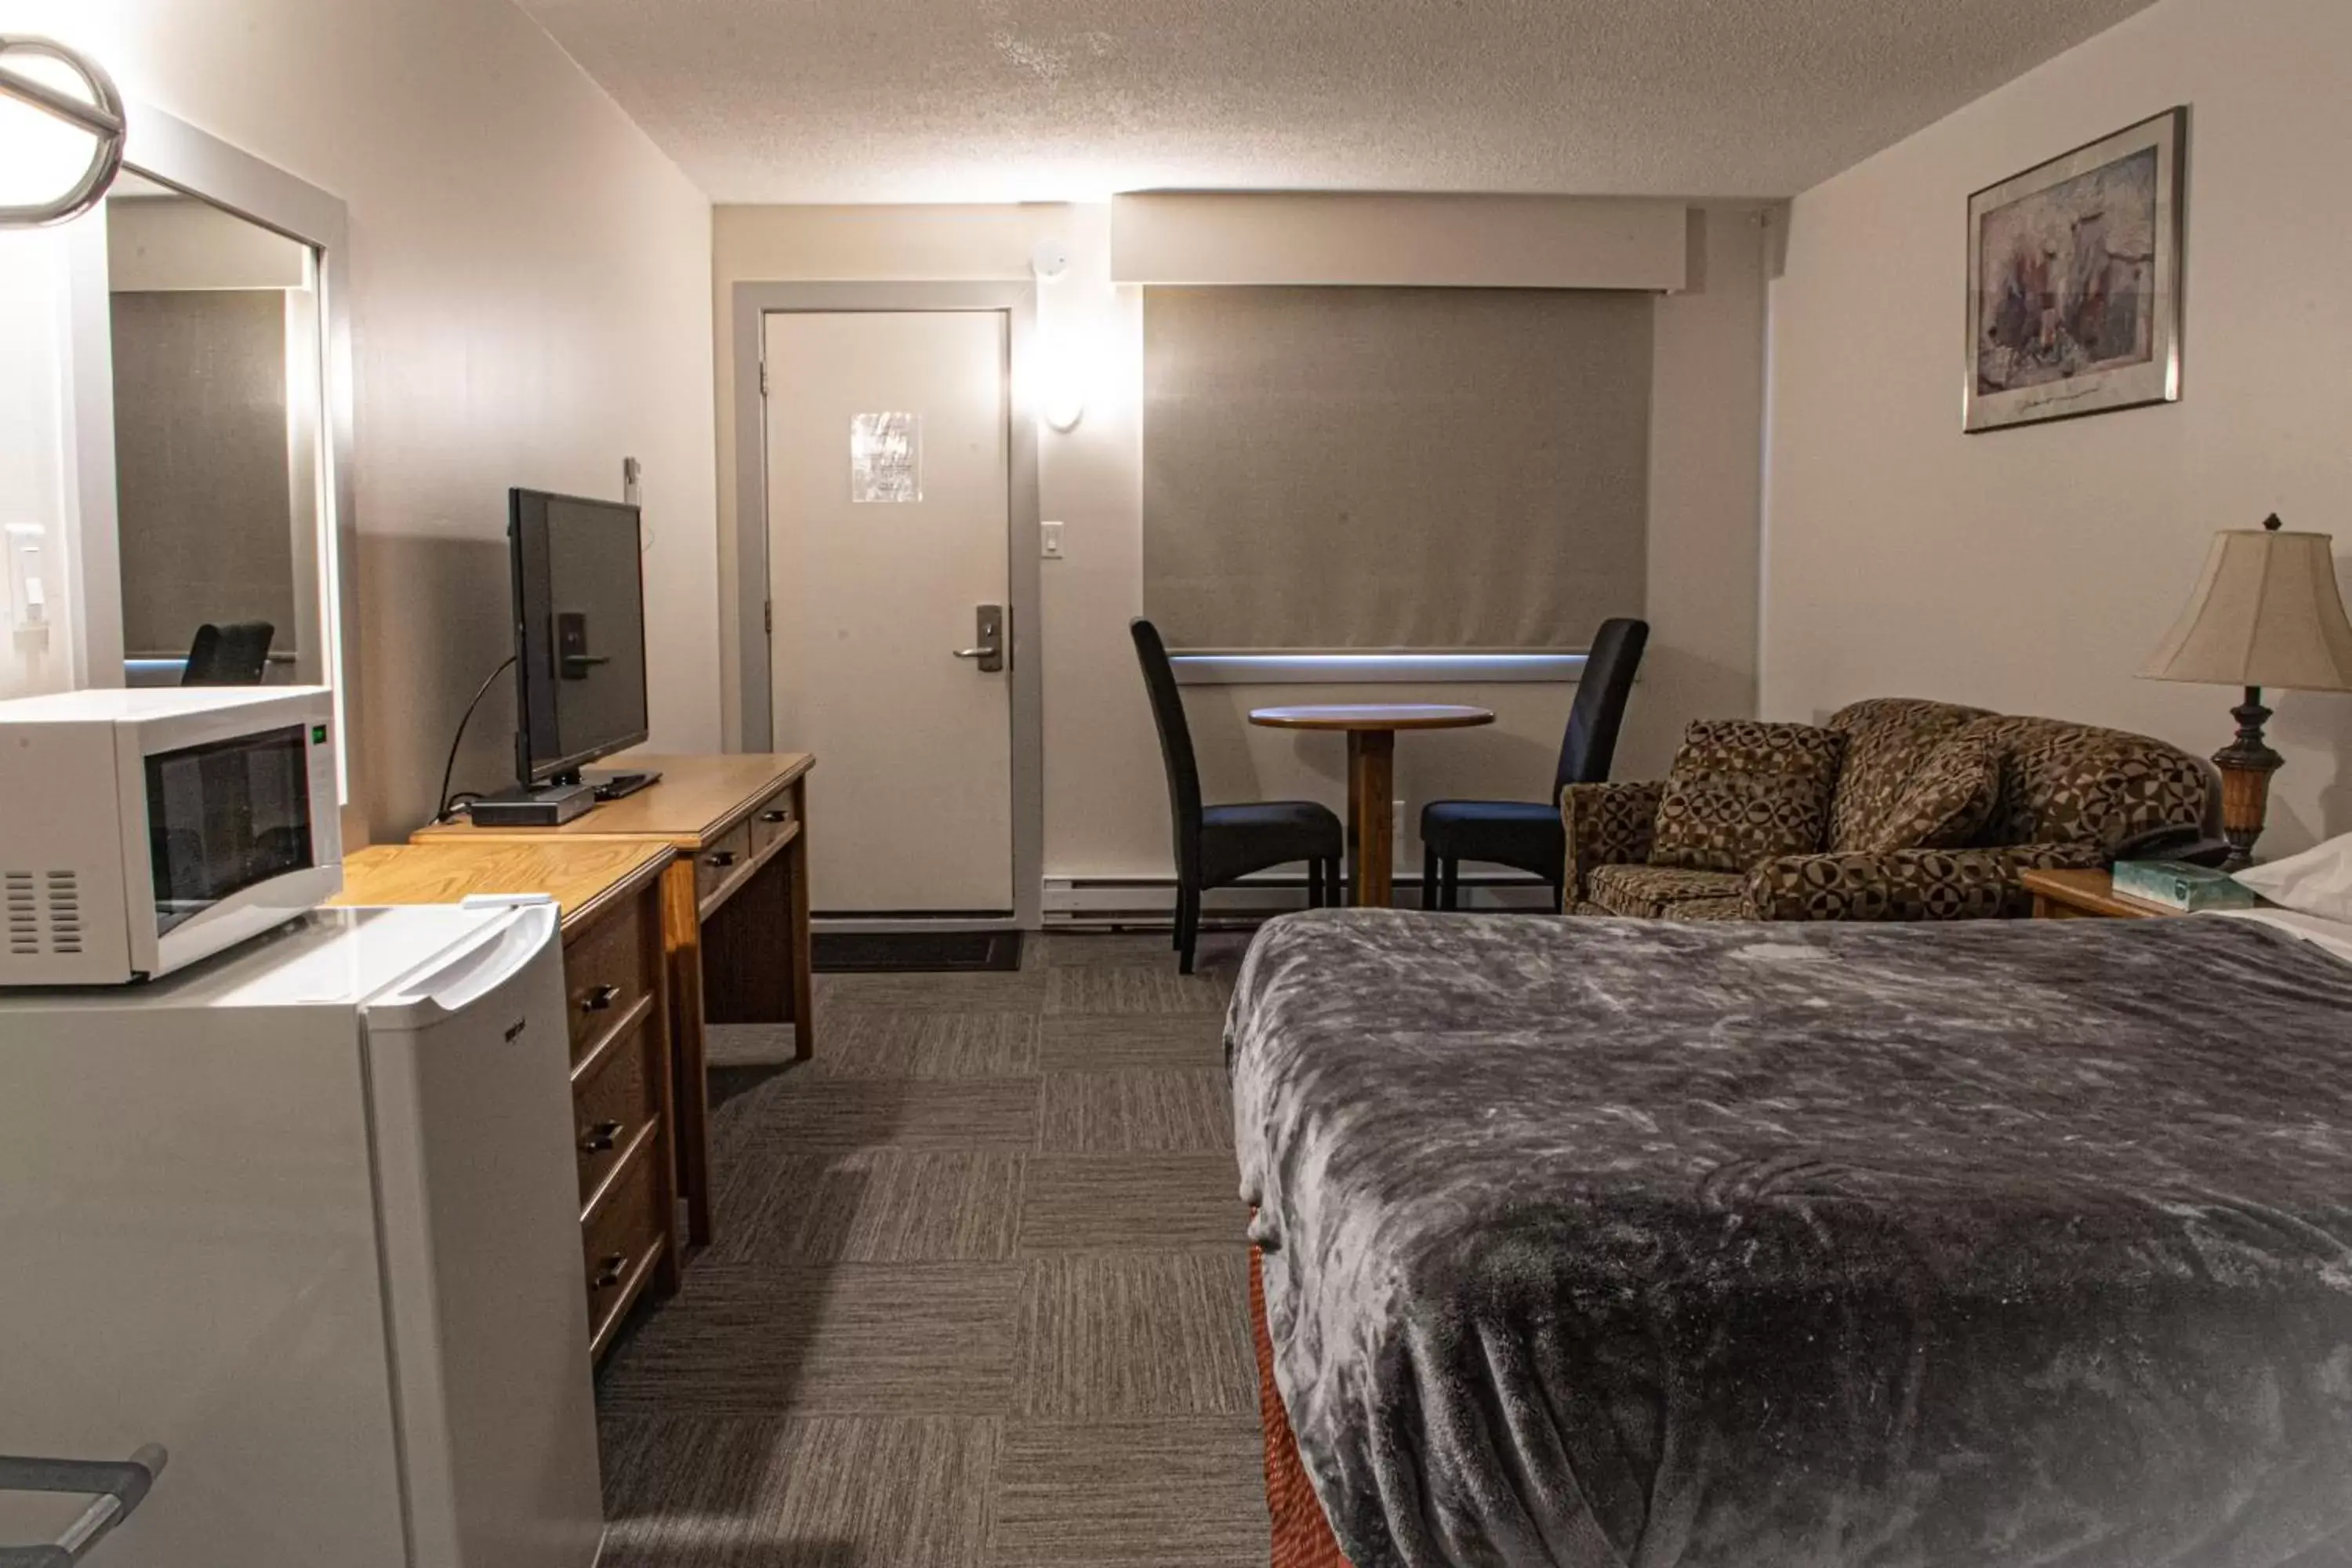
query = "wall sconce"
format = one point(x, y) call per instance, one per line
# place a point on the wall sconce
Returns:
point(98, 117)
point(1064, 403)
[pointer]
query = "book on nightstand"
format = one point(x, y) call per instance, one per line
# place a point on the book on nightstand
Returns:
point(2177, 885)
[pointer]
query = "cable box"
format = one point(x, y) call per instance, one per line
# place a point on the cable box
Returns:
point(550, 807)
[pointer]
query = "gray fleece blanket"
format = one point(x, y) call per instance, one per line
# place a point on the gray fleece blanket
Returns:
point(1620, 1245)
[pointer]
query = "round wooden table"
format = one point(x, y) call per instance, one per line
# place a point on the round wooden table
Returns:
point(1371, 729)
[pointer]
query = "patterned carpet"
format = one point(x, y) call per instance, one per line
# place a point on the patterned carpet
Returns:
point(978, 1295)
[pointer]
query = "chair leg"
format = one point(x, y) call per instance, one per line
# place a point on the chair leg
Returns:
point(1428, 878)
point(1314, 884)
point(1559, 898)
point(1451, 871)
point(1188, 930)
point(1335, 883)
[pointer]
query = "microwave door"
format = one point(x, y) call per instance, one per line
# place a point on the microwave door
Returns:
point(232, 841)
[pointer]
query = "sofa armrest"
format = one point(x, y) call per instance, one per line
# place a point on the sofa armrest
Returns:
point(1607, 825)
point(1908, 884)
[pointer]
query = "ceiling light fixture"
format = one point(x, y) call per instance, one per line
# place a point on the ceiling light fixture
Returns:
point(98, 116)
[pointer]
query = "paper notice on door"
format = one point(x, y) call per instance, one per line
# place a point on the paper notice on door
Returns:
point(886, 456)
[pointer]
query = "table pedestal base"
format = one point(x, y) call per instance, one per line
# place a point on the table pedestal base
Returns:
point(1371, 839)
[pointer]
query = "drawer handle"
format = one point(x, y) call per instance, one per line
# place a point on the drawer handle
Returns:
point(609, 1271)
point(599, 1000)
point(600, 1138)
point(775, 816)
point(722, 859)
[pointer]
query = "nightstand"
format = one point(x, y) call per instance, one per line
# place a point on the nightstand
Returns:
point(2086, 895)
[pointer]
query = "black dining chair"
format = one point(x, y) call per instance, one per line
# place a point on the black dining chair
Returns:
point(234, 655)
point(1219, 845)
point(1527, 836)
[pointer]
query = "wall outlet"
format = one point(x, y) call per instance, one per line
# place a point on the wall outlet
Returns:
point(1049, 541)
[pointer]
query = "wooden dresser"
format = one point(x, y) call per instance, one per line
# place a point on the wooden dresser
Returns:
point(617, 982)
point(735, 911)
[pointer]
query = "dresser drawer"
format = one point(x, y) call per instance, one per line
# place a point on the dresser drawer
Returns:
point(607, 969)
point(616, 1106)
point(774, 820)
point(619, 1243)
point(722, 860)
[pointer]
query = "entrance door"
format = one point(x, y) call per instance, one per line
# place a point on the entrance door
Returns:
point(888, 511)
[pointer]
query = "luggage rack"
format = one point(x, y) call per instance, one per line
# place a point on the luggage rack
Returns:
point(115, 1487)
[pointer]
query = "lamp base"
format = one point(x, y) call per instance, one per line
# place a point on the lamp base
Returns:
point(2246, 764)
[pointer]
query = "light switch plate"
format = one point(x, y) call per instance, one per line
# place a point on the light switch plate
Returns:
point(1049, 541)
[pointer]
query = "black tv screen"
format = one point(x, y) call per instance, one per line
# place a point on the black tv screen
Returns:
point(580, 632)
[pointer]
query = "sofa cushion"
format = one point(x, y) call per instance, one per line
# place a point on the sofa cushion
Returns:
point(1886, 740)
point(1945, 803)
point(2079, 783)
point(1651, 892)
point(1741, 791)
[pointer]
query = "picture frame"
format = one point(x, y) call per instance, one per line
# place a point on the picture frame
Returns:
point(2074, 281)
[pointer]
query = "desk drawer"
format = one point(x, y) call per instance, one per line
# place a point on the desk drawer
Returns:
point(606, 970)
point(617, 1106)
point(774, 820)
point(721, 859)
point(618, 1244)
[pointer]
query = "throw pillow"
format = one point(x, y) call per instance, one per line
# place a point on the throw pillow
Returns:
point(1741, 791)
point(1945, 803)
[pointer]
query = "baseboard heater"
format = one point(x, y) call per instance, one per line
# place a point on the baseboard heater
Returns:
point(1152, 901)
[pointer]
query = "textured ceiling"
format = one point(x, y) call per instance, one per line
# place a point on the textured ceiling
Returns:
point(870, 101)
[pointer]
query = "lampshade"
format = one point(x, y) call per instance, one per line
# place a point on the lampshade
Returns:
point(2266, 613)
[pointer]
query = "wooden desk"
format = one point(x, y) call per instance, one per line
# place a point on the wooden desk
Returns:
point(1371, 729)
point(734, 903)
point(616, 974)
point(2084, 895)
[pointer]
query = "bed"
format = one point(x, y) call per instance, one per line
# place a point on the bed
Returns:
point(1619, 1245)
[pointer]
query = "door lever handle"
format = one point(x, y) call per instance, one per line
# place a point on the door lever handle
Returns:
point(988, 627)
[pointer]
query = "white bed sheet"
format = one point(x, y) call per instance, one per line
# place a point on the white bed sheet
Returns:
point(2334, 936)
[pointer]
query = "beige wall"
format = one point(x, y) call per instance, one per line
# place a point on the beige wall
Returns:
point(2032, 570)
point(1106, 811)
point(531, 302)
point(1398, 240)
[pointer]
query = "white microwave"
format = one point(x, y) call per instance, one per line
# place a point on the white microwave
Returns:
point(142, 830)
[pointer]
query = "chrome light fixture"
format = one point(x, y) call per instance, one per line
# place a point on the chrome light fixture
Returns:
point(100, 115)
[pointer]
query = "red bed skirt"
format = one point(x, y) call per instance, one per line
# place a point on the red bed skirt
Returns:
point(1302, 1536)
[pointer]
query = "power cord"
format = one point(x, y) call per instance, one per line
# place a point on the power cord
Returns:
point(448, 802)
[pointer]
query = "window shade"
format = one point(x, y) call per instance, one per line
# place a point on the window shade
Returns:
point(1331, 469)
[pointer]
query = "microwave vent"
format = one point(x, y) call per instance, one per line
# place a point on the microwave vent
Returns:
point(42, 911)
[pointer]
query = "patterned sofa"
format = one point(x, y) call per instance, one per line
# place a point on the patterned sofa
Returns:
point(2069, 795)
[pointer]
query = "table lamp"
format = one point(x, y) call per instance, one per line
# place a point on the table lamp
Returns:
point(2266, 613)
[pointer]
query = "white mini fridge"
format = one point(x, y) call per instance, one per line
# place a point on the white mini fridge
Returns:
point(307, 1215)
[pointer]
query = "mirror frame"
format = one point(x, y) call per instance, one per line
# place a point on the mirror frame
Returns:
point(196, 164)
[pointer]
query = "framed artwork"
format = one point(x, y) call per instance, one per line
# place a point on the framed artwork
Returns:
point(2074, 281)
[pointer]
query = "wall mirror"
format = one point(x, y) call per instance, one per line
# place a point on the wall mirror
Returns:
point(202, 515)
point(214, 330)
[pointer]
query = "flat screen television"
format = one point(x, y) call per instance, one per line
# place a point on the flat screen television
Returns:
point(580, 633)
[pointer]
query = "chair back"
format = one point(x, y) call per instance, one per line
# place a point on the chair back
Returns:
point(234, 655)
point(1589, 746)
point(1175, 736)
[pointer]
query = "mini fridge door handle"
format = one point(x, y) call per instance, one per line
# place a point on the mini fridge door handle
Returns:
point(459, 979)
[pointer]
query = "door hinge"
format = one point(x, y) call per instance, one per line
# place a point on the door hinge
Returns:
point(768, 617)
point(763, 378)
